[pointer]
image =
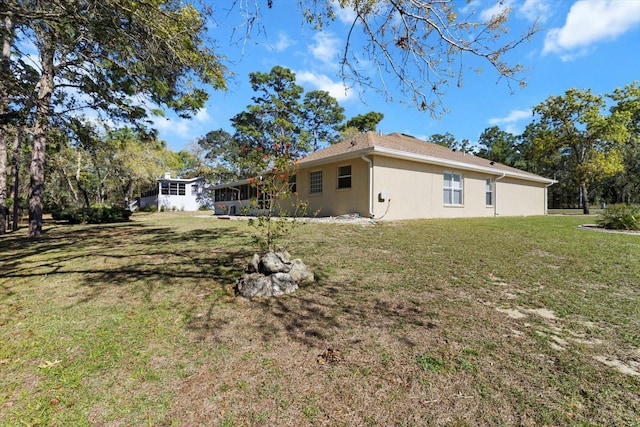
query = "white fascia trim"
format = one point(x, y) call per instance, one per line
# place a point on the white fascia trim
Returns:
point(230, 184)
point(344, 156)
point(458, 165)
point(180, 180)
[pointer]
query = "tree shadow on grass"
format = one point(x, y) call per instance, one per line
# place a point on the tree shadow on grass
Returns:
point(116, 263)
point(129, 258)
point(319, 314)
point(325, 311)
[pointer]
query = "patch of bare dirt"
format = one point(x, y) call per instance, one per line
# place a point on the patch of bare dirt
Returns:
point(630, 367)
point(594, 227)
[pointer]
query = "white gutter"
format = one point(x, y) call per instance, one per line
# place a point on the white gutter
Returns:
point(426, 159)
point(229, 184)
point(460, 165)
point(495, 191)
point(368, 160)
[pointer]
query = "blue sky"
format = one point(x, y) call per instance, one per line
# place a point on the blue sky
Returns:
point(584, 44)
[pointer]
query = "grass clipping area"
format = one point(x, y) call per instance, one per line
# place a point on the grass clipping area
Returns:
point(497, 321)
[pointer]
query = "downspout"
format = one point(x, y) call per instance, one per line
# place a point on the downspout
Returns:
point(368, 160)
point(495, 191)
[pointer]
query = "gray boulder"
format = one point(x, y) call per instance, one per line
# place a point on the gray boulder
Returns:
point(254, 264)
point(272, 263)
point(254, 285)
point(282, 283)
point(300, 273)
point(273, 274)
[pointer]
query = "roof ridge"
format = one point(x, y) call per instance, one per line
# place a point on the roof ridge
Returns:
point(410, 146)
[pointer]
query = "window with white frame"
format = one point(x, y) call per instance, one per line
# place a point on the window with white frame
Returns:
point(452, 187)
point(344, 176)
point(489, 192)
point(194, 189)
point(315, 182)
point(176, 189)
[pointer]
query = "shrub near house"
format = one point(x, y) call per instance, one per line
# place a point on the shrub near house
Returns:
point(96, 214)
point(620, 217)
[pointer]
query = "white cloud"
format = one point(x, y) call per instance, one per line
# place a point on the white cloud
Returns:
point(496, 9)
point(202, 116)
point(174, 127)
point(590, 21)
point(535, 10)
point(346, 15)
point(181, 127)
point(325, 48)
point(510, 122)
point(323, 82)
point(282, 43)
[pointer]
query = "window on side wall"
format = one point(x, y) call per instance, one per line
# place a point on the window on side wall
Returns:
point(164, 188)
point(344, 176)
point(489, 192)
point(452, 187)
point(315, 182)
point(173, 188)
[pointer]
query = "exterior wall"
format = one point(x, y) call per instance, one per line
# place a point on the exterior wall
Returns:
point(188, 202)
point(412, 190)
point(515, 199)
point(415, 190)
point(333, 201)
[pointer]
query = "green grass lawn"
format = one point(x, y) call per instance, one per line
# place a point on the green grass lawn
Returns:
point(496, 321)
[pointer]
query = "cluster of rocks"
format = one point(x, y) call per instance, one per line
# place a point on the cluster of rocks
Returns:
point(273, 274)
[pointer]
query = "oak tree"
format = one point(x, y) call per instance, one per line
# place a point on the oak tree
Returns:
point(627, 108)
point(574, 127)
point(110, 56)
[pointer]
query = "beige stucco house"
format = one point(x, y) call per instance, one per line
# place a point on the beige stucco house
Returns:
point(396, 176)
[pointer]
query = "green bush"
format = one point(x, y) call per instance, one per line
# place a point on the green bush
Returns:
point(620, 217)
point(94, 215)
point(149, 208)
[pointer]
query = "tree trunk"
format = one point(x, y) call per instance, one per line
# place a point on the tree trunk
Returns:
point(16, 179)
point(128, 193)
point(585, 198)
point(40, 129)
point(4, 135)
point(5, 70)
point(85, 195)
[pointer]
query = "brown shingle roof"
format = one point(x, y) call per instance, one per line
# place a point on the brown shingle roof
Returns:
point(406, 146)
